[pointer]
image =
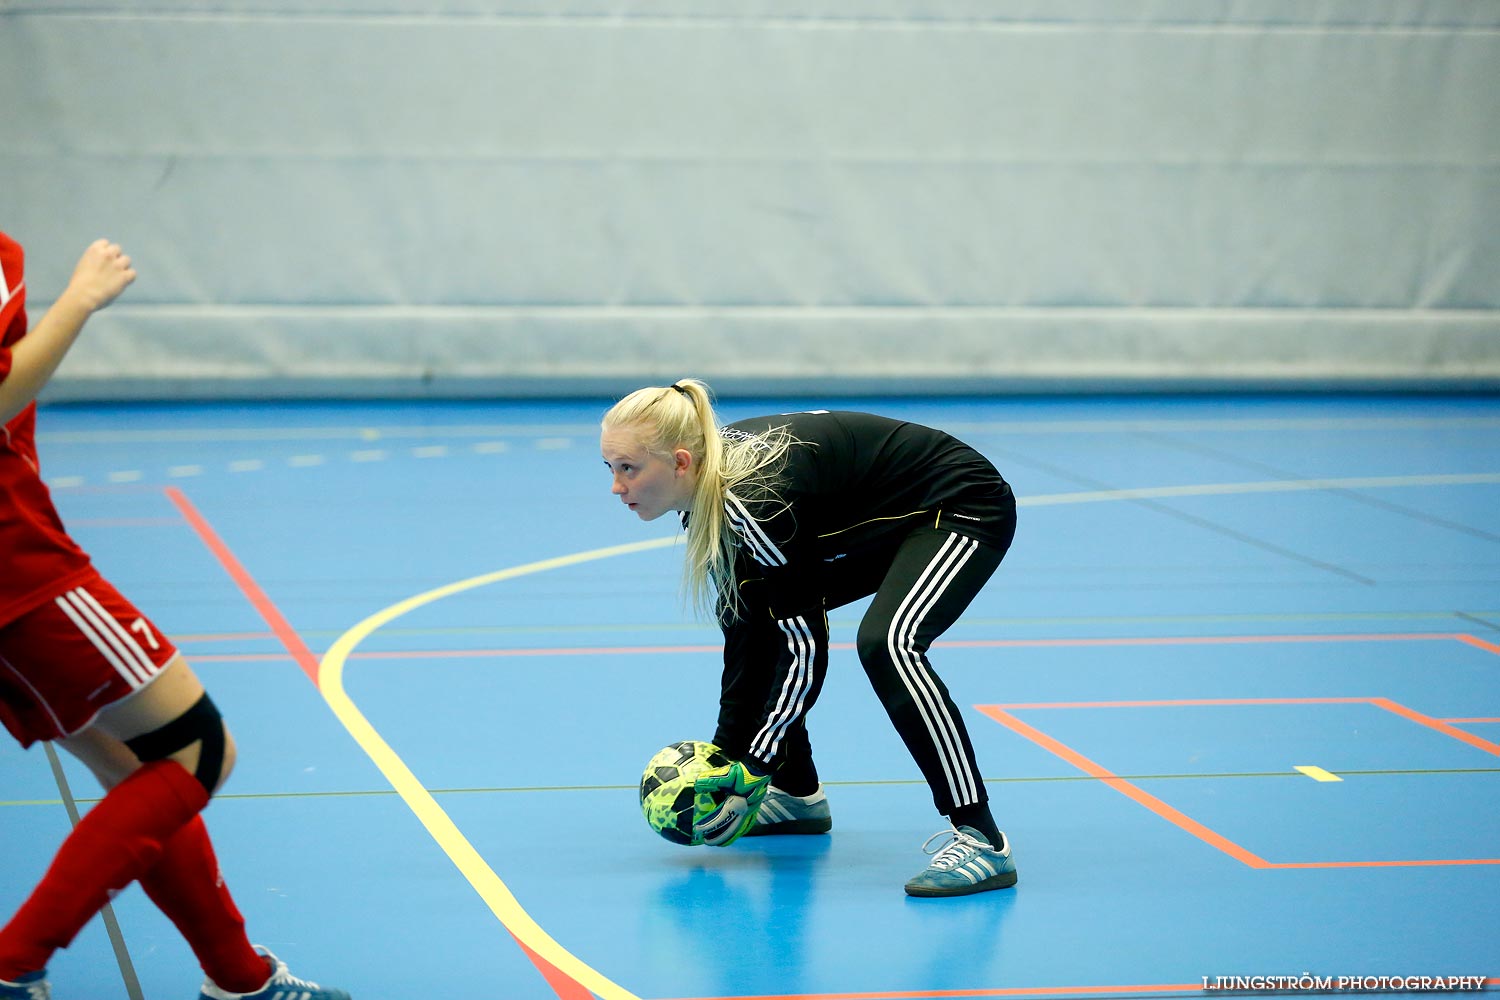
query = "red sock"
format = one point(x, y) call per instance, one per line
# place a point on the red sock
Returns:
point(187, 886)
point(119, 839)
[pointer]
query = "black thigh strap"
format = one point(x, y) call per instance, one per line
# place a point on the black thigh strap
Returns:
point(201, 723)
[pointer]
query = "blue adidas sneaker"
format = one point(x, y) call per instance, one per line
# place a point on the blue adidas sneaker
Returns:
point(281, 986)
point(32, 986)
point(966, 863)
point(782, 812)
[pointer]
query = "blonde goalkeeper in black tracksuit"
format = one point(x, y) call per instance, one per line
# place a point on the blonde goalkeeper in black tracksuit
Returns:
point(788, 516)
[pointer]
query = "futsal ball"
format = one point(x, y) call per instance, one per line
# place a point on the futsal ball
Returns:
point(667, 787)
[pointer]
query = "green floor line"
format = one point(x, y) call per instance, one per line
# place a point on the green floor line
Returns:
point(1028, 779)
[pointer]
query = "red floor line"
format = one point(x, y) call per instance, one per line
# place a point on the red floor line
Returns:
point(1478, 643)
point(242, 579)
point(562, 984)
point(239, 657)
point(1125, 787)
point(1208, 835)
point(222, 637)
point(1442, 727)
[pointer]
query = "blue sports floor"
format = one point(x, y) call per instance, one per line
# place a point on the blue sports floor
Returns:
point(1235, 692)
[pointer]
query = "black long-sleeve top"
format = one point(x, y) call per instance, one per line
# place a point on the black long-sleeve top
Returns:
point(852, 482)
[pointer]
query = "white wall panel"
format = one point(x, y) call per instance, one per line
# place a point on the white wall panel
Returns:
point(393, 197)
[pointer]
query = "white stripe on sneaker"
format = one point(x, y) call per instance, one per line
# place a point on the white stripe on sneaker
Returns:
point(772, 811)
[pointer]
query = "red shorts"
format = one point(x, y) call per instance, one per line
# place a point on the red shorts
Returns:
point(63, 661)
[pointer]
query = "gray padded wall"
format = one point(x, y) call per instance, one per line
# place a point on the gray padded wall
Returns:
point(356, 197)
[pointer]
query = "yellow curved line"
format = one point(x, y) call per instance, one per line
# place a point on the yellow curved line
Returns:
point(496, 895)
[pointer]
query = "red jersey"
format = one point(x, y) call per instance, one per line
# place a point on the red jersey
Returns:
point(38, 561)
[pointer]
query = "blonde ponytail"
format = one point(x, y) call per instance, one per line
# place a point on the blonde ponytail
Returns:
point(682, 416)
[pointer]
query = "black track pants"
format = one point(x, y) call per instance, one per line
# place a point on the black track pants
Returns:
point(921, 586)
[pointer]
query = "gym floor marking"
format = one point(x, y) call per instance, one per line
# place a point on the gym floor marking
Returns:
point(1003, 715)
point(573, 979)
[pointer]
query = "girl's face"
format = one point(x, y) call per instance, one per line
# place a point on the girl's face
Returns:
point(647, 483)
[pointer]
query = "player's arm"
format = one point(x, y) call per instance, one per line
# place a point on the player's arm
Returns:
point(801, 664)
point(101, 275)
point(729, 797)
point(788, 592)
point(784, 610)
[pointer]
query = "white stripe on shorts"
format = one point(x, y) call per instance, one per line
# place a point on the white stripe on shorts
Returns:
point(113, 643)
point(132, 645)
